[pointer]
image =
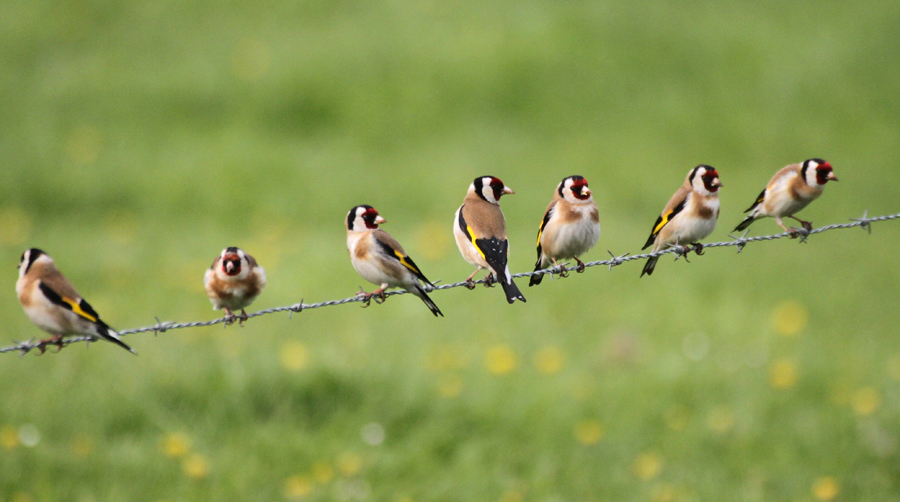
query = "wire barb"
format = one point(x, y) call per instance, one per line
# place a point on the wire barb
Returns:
point(741, 241)
point(680, 251)
point(297, 307)
point(802, 233)
point(160, 327)
point(616, 260)
point(865, 223)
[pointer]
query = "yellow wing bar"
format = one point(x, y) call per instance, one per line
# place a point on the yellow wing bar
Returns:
point(406, 263)
point(663, 221)
point(76, 307)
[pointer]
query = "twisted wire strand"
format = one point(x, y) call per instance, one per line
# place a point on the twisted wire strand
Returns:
point(680, 251)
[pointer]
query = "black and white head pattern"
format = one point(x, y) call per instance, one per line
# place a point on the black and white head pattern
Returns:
point(490, 188)
point(704, 179)
point(362, 218)
point(574, 189)
point(817, 172)
point(29, 257)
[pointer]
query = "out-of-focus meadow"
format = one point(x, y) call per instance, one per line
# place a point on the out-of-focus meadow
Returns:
point(138, 139)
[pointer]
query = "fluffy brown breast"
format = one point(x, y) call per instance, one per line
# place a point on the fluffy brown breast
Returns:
point(569, 214)
point(700, 207)
point(362, 247)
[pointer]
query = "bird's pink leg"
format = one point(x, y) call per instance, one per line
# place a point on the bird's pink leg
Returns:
point(469, 283)
point(229, 317)
point(378, 293)
point(806, 224)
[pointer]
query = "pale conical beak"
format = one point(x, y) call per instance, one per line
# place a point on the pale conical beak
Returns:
point(831, 176)
point(586, 191)
point(379, 220)
point(717, 183)
point(229, 266)
point(508, 191)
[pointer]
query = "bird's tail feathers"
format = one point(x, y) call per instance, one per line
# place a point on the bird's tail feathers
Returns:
point(650, 265)
point(108, 334)
point(418, 291)
point(510, 288)
point(536, 279)
point(746, 223)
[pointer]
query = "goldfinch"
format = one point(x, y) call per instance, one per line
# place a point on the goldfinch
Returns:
point(790, 190)
point(690, 215)
point(53, 305)
point(480, 231)
point(380, 259)
point(233, 281)
point(571, 226)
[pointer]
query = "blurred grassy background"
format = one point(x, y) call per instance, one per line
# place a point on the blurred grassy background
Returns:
point(140, 138)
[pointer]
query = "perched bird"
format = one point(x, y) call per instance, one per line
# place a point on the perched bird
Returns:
point(233, 281)
point(790, 190)
point(689, 216)
point(571, 226)
point(380, 259)
point(480, 231)
point(53, 304)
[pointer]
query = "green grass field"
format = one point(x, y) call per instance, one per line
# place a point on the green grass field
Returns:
point(138, 139)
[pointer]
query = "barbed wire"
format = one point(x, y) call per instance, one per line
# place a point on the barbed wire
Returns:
point(680, 251)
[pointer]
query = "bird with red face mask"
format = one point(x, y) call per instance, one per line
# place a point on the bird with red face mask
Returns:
point(571, 226)
point(789, 191)
point(690, 215)
point(380, 259)
point(52, 303)
point(233, 281)
point(480, 231)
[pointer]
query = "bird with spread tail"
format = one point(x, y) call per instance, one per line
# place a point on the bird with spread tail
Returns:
point(53, 305)
point(570, 227)
point(480, 231)
point(789, 191)
point(233, 281)
point(690, 215)
point(380, 259)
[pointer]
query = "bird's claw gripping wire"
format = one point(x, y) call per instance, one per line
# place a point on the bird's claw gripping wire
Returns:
point(561, 270)
point(489, 281)
point(378, 295)
point(470, 284)
point(56, 340)
point(581, 266)
point(802, 233)
point(681, 251)
point(230, 318)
